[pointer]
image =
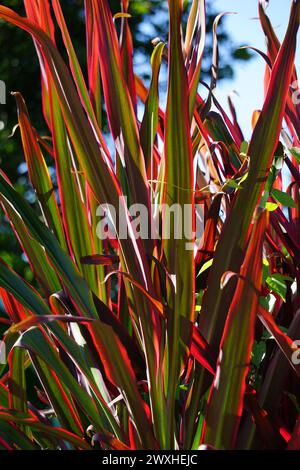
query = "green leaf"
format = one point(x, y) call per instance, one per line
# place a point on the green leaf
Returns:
point(244, 148)
point(39, 173)
point(271, 206)
point(206, 266)
point(225, 406)
point(283, 198)
point(36, 341)
point(149, 123)
point(178, 190)
point(43, 271)
point(44, 429)
point(276, 283)
point(258, 353)
point(295, 151)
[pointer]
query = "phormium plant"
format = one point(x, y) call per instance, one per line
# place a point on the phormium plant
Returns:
point(165, 258)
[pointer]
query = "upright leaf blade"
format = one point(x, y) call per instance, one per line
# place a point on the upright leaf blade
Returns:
point(225, 404)
point(179, 191)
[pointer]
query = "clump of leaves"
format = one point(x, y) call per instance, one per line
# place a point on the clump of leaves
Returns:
point(132, 342)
